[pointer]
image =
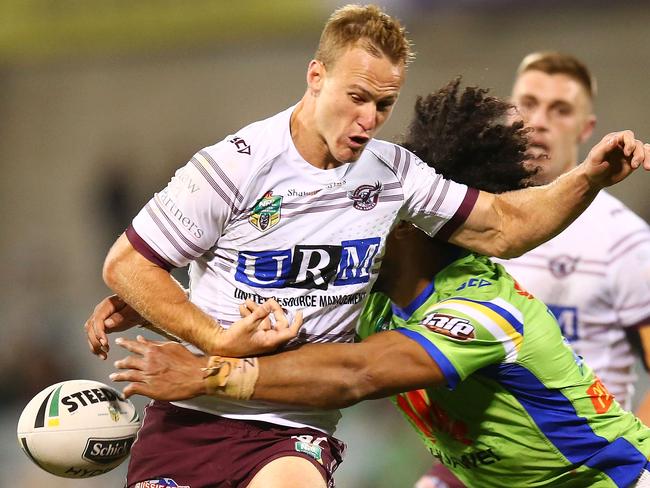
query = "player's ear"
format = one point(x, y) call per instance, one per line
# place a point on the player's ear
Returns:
point(315, 76)
point(588, 129)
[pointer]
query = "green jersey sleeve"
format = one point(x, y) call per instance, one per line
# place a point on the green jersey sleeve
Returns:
point(463, 335)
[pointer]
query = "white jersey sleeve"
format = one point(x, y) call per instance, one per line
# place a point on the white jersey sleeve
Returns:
point(436, 205)
point(186, 218)
point(629, 271)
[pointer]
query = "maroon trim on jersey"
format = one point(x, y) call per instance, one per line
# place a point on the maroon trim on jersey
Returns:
point(460, 216)
point(146, 250)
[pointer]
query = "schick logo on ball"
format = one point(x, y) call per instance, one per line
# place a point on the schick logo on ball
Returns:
point(107, 451)
point(308, 266)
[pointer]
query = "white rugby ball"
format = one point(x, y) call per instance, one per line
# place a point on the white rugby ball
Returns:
point(78, 428)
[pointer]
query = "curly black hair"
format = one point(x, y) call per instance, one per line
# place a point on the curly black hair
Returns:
point(465, 138)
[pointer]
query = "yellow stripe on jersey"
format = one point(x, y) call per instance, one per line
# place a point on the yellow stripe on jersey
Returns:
point(498, 325)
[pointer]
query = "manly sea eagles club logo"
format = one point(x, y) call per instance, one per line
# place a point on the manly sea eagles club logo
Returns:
point(266, 212)
point(365, 196)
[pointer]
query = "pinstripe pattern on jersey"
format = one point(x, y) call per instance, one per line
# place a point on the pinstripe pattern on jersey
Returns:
point(160, 207)
point(626, 245)
point(153, 213)
point(201, 165)
point(222, 175)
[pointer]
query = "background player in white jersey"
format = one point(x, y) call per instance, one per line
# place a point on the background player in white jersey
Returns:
point(253, 215)
point(595, 275)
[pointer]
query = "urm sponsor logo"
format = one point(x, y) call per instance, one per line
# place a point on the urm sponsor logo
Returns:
point(308, 266)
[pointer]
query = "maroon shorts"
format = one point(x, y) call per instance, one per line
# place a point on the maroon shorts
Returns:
point(178, 447)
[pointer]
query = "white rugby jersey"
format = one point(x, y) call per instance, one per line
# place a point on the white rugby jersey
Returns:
point(255, 220)
point(595, 278)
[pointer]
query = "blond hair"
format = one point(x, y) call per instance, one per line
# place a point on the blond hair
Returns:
point(551, 62)
point(376, 31)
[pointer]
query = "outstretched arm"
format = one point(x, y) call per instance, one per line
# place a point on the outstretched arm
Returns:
point(157, 297)
point(509, 224)
point(162, 302)
point(316, 375)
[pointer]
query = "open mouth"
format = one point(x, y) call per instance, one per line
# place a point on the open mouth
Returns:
point(358, 141)
point(537, 151)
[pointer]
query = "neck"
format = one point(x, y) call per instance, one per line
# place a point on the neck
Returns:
point(311, 147)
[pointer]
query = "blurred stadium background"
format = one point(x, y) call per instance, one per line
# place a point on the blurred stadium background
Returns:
point(101, 100)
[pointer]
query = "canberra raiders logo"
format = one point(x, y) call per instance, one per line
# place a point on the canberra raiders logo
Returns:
point(266, 212)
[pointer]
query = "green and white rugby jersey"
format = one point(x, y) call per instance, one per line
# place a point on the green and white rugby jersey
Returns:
point(520, 409)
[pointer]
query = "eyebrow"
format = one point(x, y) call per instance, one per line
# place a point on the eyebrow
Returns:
point(388, 98)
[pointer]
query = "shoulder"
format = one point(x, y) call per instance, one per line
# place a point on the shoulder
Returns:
point(615, 213)
point(618, 225)
point(474, 277)
point(392, 155)
point(251, 147)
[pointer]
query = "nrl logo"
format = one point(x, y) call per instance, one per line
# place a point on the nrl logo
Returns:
point(365, 196)
point(114, 413)
point(266, 212)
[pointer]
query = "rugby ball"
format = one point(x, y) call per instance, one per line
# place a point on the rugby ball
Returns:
point(78, 428)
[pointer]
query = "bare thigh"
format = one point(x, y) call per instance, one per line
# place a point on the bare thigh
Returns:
point(288, 472)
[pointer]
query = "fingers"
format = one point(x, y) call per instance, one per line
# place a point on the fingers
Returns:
point(130, 362)
point(259, 317)
point(97, 340)
point(289, 331)
point(633, 149)
point(638, 154)
point(139, 346)
point(285, 330)
point(95, 326)
point(243, 311)
point(278, 313)
point(135, 389)
point(247, 307)
point(137, 386)
point(629, 142)
point(646, 157)
point(296, 324)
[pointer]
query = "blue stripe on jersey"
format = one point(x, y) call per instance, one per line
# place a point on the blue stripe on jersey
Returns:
point(516, 324)
point(451, 375)
point(406, 312)
point(570, 433)
point(622, 462)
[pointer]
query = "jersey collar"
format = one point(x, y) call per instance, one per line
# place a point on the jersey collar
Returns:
point(406, 312)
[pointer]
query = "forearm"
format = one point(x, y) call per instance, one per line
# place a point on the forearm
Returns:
point(534, 215)
point(323, 376)
point(153, 293)
point(340, 375)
